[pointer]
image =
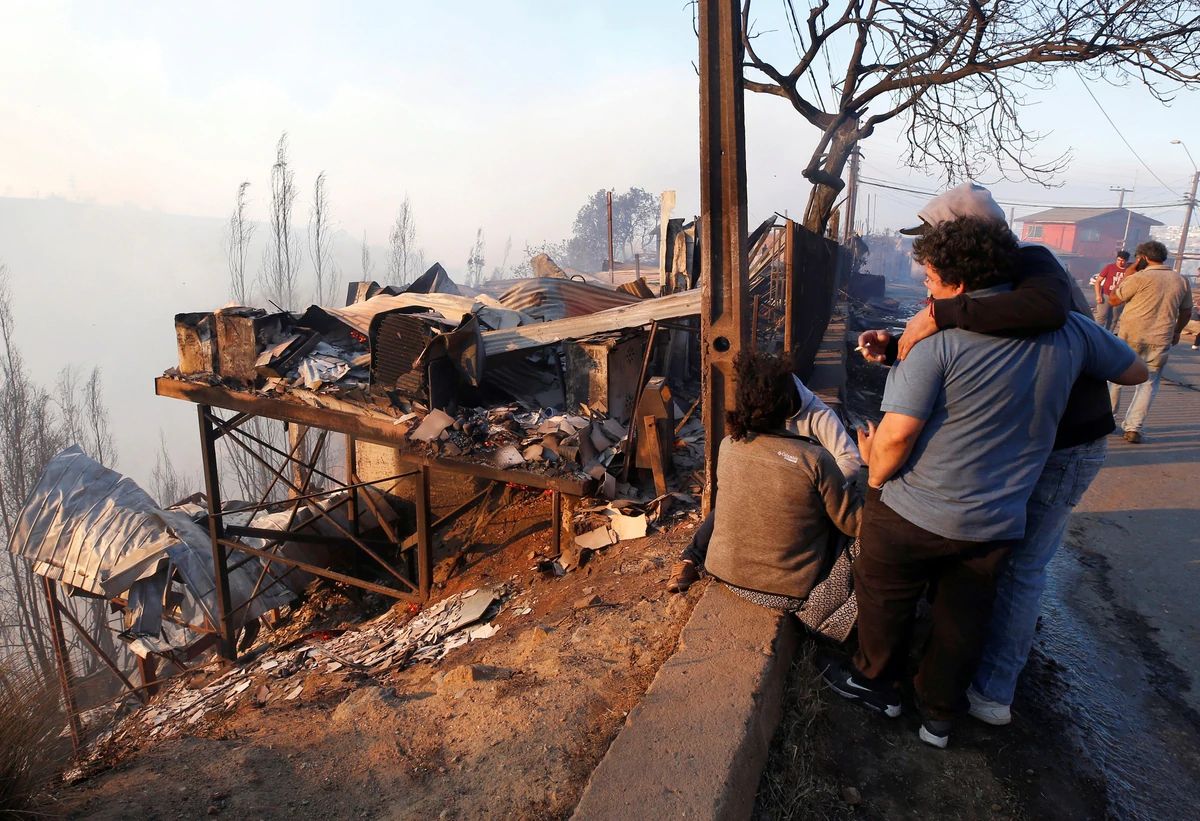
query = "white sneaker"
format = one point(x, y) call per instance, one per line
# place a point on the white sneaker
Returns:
point(989, 712)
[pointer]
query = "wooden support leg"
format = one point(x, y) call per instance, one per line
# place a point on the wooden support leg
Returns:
point(216, 530)
point(654, 449)
point(424, 536)
point(62, 662)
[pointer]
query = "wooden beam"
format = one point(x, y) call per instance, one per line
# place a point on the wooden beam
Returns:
point(675, 306)
point(367, 428)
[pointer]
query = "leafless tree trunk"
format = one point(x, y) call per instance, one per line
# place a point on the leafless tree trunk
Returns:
point(475, 260)
point(401, 244)
point(368, 267)
point(237, 245)
point(29, 437)
point(281, 257)
point(99, 437)
point(168, 485)
point(956, 74)
point(320, 245)
point(501, 270)
point(83, 416)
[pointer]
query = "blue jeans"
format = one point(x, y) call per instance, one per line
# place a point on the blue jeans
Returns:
point(1106, 315)
point(1064, 480)
point(1139, 406)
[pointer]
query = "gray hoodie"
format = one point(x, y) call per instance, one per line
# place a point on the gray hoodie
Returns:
point(817, 421)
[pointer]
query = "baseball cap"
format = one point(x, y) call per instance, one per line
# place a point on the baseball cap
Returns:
point(966, 200)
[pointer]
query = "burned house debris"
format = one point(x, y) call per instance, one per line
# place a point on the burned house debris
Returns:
point(584, 390)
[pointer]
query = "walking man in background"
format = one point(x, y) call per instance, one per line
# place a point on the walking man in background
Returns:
point(1158, 304)
point(1104, 284)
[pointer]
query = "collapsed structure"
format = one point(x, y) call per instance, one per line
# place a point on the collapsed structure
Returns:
point(559, 383)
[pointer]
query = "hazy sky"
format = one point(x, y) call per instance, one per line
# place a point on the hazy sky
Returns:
point(501, 115)
point(504, 115)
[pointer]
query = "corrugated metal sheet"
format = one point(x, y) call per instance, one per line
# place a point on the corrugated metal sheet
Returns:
point(642, 312)
point(94, 529)
point(491, 313)
point(548, 298)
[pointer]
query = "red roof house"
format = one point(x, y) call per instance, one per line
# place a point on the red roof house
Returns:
point(1087, 239)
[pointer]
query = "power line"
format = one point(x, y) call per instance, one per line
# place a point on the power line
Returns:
point(892, 186)
point(1132, 150)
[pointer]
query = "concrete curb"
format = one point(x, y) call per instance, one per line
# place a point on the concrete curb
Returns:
point(696, 744)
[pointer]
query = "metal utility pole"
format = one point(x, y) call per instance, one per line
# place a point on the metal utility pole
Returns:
point(1128, 214)
point(725, 298)
point(1191, 203)
point(612, 274)
point(1187, 222)
point(851, 198)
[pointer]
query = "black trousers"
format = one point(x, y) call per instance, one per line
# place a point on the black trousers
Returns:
point(897, 562)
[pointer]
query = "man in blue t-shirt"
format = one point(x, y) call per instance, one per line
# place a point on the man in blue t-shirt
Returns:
point(969, 422)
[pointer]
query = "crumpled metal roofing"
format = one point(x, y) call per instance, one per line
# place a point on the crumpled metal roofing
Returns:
point(491, 313)
point(550, 298)
point(96, 530)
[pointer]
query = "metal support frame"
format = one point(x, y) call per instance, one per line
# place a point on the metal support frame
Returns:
point(216, 531)
point(424, 535)
point(355, 426)
point(723, 262)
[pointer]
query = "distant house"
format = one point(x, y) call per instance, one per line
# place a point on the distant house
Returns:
point(1087, 239)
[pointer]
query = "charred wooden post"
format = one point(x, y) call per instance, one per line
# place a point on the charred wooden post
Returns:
point(724, 266)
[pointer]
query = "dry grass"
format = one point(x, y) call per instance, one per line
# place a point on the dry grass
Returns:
point(31, 752)
point(791, 788)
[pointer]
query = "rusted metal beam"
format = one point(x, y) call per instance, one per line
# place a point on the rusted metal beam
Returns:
point(424, 536)
point(62, 663)
point(216, 531)
point(317, 510)
point(103, 656)
point(556, 521)
point(351, 459)
point(323, 572)
point(723, 262)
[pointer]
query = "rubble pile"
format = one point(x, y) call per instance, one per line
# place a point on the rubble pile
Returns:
point(427, 360)
point(385, 645)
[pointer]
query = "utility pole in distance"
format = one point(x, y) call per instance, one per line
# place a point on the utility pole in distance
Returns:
point(612, 275)
point(1191, 203)
point(1187, 222)
point(1128, 215)
point(851, 198)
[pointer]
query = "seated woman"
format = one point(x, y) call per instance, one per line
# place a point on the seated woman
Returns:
point(812, 419)
point(782, 502)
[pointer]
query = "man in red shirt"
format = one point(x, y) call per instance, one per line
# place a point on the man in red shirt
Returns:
point(1105, 283)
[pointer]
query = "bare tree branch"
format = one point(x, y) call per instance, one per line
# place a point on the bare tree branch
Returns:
point(956, 72)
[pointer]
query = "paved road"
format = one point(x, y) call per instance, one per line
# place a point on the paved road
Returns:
point(1142, 514)
point(1118, 653)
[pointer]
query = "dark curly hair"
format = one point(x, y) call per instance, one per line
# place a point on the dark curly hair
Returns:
point(766, 395)
point(1152, 250)
point(969, 251)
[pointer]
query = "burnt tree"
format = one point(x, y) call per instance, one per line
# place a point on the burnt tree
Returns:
point(956, 72)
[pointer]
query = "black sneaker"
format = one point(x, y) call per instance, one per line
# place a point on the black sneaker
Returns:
point(847, 683)
point(935, 733)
